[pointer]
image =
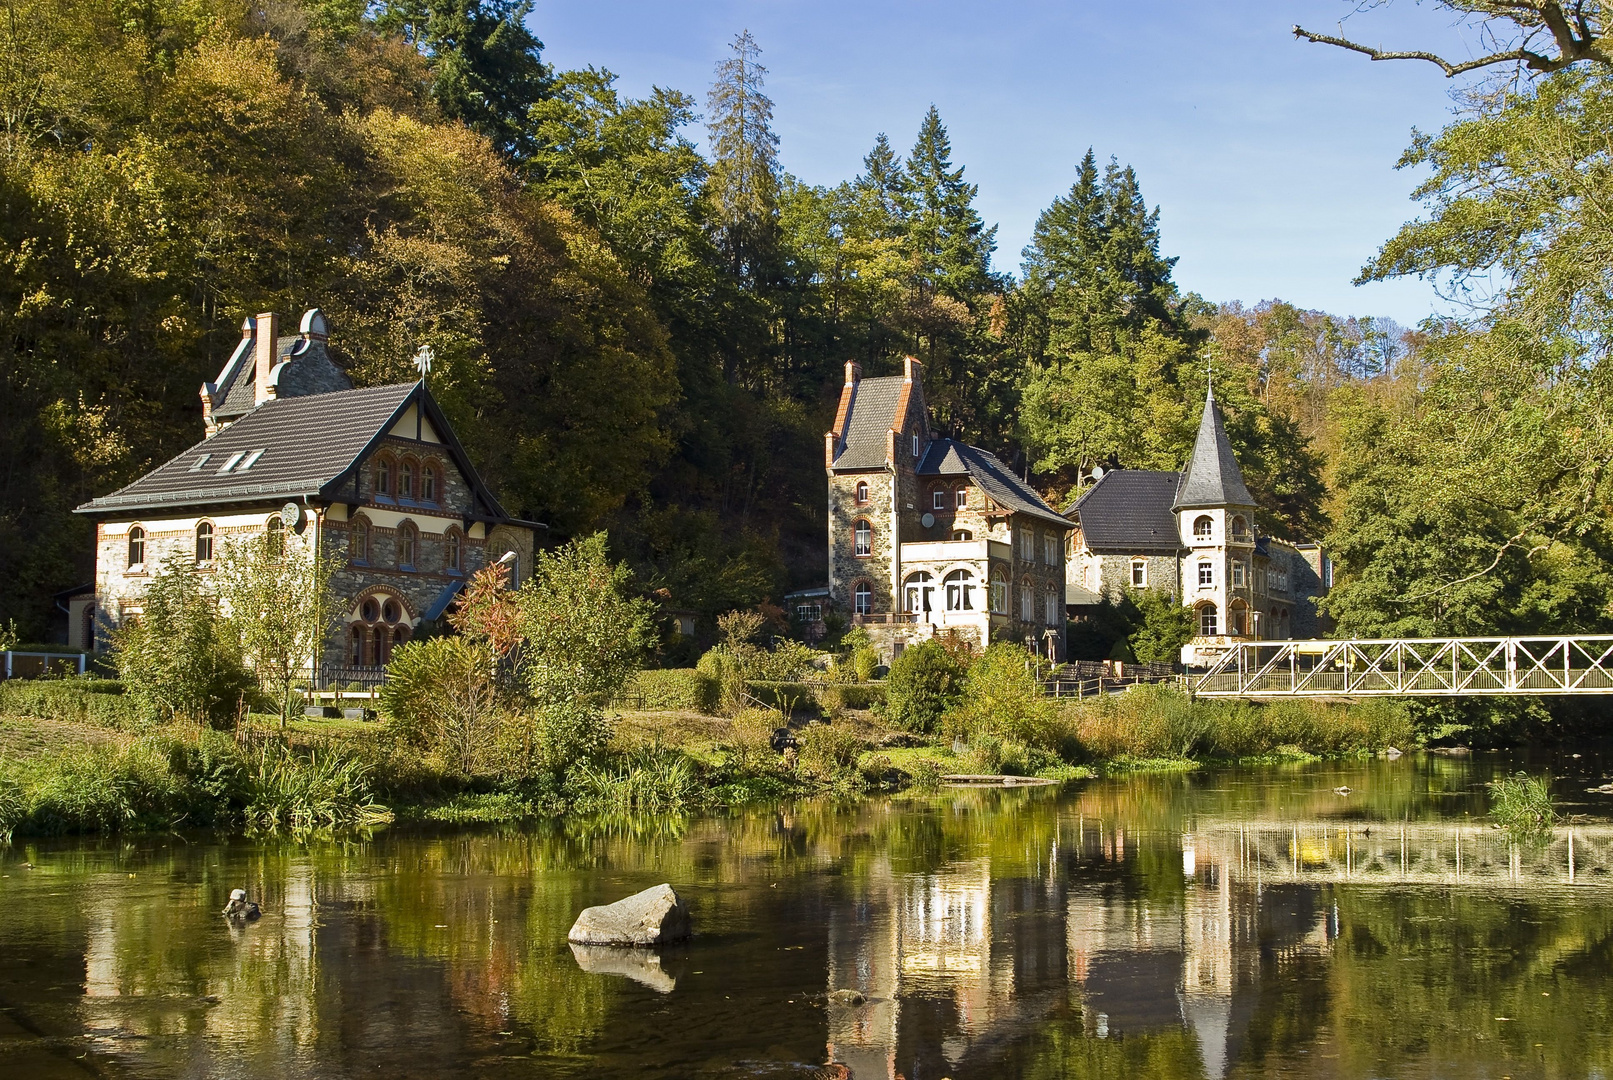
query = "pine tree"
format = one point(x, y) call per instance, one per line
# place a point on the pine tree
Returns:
point(744, 181)
point(946, 235)
point(486, 66)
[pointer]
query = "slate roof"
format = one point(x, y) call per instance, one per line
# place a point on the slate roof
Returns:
point(308, 370)
point(1080, 596)
point(1130, 510)
point(310, 445)
point(949, 457)
point(1212, 477)
point(871, 417)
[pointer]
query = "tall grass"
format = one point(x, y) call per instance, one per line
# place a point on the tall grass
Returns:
point(650, 780)
point(1162, 722)
point(322, 790)
point(1522, 803)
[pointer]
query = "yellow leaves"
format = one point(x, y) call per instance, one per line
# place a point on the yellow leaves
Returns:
point(86, 433)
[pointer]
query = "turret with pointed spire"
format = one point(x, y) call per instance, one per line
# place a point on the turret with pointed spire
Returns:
point(1212, 477)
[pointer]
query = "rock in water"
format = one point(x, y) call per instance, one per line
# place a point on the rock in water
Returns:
point(847, 997)
point(653, 917)
point(640, 965)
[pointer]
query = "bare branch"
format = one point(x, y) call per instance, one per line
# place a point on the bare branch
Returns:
point(1531, 59)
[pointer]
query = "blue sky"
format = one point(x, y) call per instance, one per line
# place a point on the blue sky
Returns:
point(1272, 159)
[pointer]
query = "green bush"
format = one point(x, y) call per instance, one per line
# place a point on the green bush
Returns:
point(652, 781)
point(321, 790)
point(829, 752)
point(925, 681)
point(1002, 699)
point(750, 739)
point(1522, 803)
point(684, 689)
point(721, 665)
point(865, 695)
point(96, 702)
point(787, 697)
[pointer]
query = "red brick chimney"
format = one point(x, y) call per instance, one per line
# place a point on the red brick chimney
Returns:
point(267, 345)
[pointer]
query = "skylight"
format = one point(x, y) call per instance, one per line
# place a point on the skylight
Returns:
point(251, 460)
point(230, 462)
point(201, 461)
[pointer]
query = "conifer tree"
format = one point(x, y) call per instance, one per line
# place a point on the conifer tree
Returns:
point(744, 181)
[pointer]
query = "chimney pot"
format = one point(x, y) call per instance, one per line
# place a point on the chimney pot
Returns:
point(854, 373)
point(267, 344)
point(910, 368)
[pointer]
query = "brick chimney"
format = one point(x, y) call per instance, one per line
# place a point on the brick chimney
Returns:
point(267, 344)
point(854, 373)
point(911, 369)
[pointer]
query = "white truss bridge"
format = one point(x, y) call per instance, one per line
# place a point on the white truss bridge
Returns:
point(1411, 667)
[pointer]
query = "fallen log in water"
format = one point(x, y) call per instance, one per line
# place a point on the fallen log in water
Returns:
point(992, 780)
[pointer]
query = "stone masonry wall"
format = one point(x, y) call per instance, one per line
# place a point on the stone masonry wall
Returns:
point(846, 568)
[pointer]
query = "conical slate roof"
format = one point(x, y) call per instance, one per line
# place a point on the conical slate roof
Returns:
point(1212, 477)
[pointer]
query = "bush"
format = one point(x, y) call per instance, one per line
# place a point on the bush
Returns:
point(1002, 699)
point(751, 739)
point(925, 681)
point(1522, 803)
point(835, 696)
point(684, 689)
point(94, 702)
point(442, 693)
point(786, 697)
point(652, 780)
point(725, 668)
point(829, 752)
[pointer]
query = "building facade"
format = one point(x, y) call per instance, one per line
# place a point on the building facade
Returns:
point(373, 479)
point(1192, 536)
point(929, 535)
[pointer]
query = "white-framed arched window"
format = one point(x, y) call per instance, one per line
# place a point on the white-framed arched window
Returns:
point(999, 593)
point(204, 542)
point(1207, 620)
point(1027, 602)
point(960, 587)
point(1203, 527)
point(137, 547)
point(274, 536)
point(862, 493)
point(1240, 529)
point(1054, 612)
point(917, 591)
point(863, 598)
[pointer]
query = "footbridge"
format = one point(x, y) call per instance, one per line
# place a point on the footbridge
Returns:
point(1410, 667)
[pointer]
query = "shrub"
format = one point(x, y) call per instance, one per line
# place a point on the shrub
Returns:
point(683, 689)
point(751, 739)
point(786, 697)
point(1522, 803)
point(442, 693)
point(724, 667)
point(11, 806)
point(1002, 699)
point(95, 702)
point(1165, 627)
point(322, 790)
point(651, 780)
point(835, 696)
point(829, 752)
point(925, 681)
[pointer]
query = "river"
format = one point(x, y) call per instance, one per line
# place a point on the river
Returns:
point(1222, 922)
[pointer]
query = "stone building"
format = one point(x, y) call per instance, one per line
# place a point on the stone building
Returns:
point(930, 535)
point(1192, 535)
point(372, 477)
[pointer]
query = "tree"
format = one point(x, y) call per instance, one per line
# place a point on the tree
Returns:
point(486, 67)
point(583, 634)
point(1542, 35)
point(443, 693)
point(274, 592)
point(743, 183)
point(176, 657)
point(1166, 625)
point(924, 682)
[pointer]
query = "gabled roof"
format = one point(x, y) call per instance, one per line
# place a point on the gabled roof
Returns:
point(1129, 510)
point(949, 457)
point(310, 447)
point(1212, 477)
point(871, 417)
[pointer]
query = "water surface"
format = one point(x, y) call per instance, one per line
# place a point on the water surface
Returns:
point(1220, 923)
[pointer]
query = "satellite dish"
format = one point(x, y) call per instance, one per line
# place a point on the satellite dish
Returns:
point(1097, 472)
point(927, 520)
point(291, 516)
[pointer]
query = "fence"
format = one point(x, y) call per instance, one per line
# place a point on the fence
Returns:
point(20, 664)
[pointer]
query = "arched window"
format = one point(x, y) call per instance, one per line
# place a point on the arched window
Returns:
point(406, 480)
point(1203, 527)
point(1207, 620)
point(453, 552)
point(917, 590)
point(137, 547)
point(960, 590)
point(863, 535)
point(408, 545)
point(999, 593)
point(961, 499)
point(378, 647)
point(862, 493)
point(355, 650)
point(358, 540)
point(962, 534)
point(204, 542)
point(399, 636)
point(274, 536)
point(428, 484)
point(1027, 602)
point(383, 476)
point(863, 597)
point(1206, 575)
point(1240, 529)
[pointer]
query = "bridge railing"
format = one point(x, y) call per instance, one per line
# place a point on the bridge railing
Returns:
point(1439, 667)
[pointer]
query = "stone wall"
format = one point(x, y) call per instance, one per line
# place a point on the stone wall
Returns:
point(1164, 574)
point(846, 568)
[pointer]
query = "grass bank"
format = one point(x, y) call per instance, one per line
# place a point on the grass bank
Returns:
point(75, 759)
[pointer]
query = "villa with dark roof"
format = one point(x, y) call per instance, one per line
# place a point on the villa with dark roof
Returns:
point(928, 535)
point(1192, 535)
point(373, 478)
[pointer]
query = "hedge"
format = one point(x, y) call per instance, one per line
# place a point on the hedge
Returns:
point(670, 688)
point(99, 702)
point(819, 694)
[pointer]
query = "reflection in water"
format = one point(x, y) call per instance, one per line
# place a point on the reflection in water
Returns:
point(1218, 925)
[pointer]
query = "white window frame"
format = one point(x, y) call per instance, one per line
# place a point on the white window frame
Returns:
point(1206, 574)
point(861, 529)
point(862, 598)
point(1139, 573)
point(938, 499)
point(1239, 575)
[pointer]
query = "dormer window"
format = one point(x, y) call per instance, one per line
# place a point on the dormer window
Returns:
point(201, 463)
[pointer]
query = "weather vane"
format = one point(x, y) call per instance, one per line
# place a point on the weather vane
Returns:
point(422, 361)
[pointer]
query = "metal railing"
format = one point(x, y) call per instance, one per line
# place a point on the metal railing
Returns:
point(1412, 667)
